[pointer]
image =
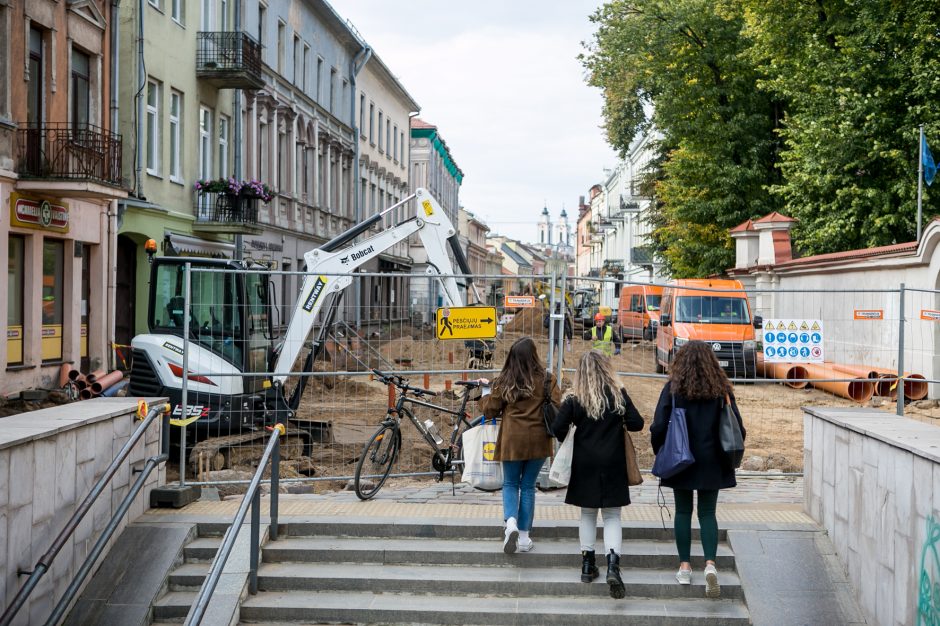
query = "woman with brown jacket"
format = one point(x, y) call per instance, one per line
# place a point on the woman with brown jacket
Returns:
point(523, 443)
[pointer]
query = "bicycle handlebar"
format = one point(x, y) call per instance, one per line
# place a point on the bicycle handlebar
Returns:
point(402, 383)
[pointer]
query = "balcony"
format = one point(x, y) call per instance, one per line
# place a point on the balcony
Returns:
point(229, 60)
point(224, 213)
point(82, 155)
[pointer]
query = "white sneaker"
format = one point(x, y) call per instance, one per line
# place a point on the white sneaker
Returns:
point(526, 545)
point(684, 576)
point(712, 588)
point(512, 536)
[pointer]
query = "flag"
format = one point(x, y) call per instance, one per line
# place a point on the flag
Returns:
point(930, 168)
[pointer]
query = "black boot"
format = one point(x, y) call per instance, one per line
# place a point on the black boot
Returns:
point(588, 566)
point(613, 576)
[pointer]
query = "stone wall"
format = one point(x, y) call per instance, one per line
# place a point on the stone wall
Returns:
point(49, 461)
point(873, 481)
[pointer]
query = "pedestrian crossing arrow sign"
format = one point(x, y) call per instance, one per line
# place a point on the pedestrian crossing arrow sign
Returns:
point(466, 322)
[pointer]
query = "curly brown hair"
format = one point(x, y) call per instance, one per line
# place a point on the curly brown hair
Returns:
point(696, 374)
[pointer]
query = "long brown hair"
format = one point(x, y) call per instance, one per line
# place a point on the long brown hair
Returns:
point(522, 371)
point(696, 374)
point(594, 377)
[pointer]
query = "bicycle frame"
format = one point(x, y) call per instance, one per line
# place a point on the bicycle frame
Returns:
point(461, 416)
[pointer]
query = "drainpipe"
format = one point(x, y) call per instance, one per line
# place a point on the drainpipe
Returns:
point(115, 54)
point(142, 84)
point(237, 115)
point(113, 205)
point(355, 66)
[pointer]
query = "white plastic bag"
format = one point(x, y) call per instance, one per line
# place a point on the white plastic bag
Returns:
point(479, 446)
point(561, 466)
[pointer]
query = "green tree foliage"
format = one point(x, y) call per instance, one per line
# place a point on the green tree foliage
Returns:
point(859, 77)
point(687, 58)
point(810, 107)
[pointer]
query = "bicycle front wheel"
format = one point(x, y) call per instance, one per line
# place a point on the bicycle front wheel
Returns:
point(375, 462)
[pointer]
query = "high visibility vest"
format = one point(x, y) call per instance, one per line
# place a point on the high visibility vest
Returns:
point(605, 344)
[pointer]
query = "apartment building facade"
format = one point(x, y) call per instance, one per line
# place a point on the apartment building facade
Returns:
point(484, 263)
point(60, 180)
point(434, 168)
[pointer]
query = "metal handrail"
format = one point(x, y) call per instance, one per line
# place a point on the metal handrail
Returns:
point(252, 498)
point(45, 561)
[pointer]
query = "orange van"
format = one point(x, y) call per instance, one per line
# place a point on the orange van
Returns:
point(714, 311)
point(639, 311)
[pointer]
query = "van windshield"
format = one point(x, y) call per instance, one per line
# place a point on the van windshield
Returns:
point(712, 310)
point(652, 302)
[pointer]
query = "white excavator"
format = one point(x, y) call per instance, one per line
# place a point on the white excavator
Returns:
point(235, 366)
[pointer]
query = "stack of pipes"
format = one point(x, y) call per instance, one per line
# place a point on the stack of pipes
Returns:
point(85, 386)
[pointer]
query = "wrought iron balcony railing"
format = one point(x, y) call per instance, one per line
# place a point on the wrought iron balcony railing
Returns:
point(229, 60)
point(226, 213)
point(70, 152)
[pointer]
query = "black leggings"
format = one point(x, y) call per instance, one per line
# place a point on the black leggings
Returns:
point(707, 501)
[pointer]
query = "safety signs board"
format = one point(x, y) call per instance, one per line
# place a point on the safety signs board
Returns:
point(930, 315)
point(466, 322)
point(869, 314)
point(793, 341)
point(520, 302)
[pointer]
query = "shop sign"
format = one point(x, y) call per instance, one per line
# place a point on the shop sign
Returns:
point(258, 244)
point(39, 213)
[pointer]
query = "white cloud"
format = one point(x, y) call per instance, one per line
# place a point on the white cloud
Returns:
point(502, 82)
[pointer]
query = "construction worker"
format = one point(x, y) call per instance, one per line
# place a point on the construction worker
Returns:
point(605, 338)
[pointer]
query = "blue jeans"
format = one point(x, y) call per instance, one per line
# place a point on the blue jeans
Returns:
point(519, 490)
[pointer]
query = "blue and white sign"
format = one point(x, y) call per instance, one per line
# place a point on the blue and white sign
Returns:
point(793, 340)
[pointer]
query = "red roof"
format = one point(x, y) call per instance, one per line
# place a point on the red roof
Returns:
point(851, 255)
point(774, 217)
point(743, 227)
point(417, 122)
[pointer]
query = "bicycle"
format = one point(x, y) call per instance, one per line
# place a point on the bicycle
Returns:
point(382, 449)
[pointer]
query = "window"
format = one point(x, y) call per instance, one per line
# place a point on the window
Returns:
point(319, 93)
point(371, 123)
point(306, 68)
point(34, 97)
point(53, 279)
point(176, 11)
point(262, 22)
point(296, 58)
point(81, 79)
point(155, 4)
point(381, 124)
point(401, 144)
point(223, 146)
point(344, 103)
point(362, 113)
point(153, 127)
point(281, 27)
point(282, 161)
point(223, 15)
point(395, 137)
point(205, 143)
point(205, 23)
point(15, 272)
point(388, 137)
point(333, 90)
point(176, 112)
point(263, 142)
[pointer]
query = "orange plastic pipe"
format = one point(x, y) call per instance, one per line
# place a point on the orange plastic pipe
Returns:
point(91, 378)
point(915, 387)
point(859, 390)
point(64, 372)
point(856, 370)
point(782, 371)
point(106, 381)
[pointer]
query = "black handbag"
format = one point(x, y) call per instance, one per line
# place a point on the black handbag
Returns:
point(548, 409)
point(729, 435)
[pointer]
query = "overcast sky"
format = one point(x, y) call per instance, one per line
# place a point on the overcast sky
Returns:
point(501, 81)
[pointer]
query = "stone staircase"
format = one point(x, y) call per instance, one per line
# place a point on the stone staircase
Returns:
point(454, 572)
point(186, 578)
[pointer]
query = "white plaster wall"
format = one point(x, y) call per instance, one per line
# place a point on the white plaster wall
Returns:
point(49, 461)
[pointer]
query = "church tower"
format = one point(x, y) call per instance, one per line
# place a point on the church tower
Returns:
point(563, 229)
point(545, 228)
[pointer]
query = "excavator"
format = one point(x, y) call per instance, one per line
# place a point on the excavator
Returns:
point(236, 368)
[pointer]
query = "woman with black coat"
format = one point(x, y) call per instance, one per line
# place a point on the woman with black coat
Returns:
point(599, 409)
point(699, 385)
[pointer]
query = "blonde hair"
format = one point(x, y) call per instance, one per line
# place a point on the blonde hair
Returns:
point(596, 375)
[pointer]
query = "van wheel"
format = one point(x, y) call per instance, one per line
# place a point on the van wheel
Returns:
point(648, 333)
point(659, 368)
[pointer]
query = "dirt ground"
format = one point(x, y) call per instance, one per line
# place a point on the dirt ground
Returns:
point(355, 405)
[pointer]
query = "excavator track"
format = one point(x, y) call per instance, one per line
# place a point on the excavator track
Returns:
point(229, 451)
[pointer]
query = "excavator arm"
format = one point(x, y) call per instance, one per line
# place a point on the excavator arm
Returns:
point(330, 268)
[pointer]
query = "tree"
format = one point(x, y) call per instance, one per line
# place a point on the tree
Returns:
point(682, 66)
point(858, 78)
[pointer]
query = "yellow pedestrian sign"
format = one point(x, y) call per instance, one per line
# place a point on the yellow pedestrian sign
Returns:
point(466, 322)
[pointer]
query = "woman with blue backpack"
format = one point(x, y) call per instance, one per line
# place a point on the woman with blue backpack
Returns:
point(697, 392)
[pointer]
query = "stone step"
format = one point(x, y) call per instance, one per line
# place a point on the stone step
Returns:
point(173, 605)
point(188, 576)
point(547, 553)
point(202, 549)
point(479, 580)
point(461, 529)
point(368, 607)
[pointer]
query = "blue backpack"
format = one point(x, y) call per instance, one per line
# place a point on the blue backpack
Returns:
point(675, 455)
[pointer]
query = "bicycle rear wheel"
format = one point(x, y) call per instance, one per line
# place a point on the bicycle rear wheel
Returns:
point(375, 462)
